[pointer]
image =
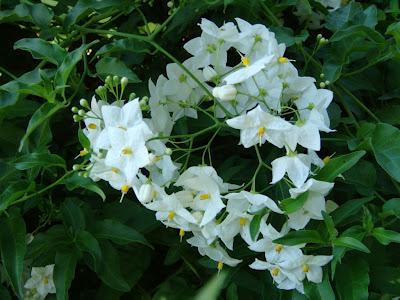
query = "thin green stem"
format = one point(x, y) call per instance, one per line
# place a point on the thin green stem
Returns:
point(8, 73)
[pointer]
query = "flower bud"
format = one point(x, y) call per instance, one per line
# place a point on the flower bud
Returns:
point(168, 151)
point(124, 82)
point(132, 96)
point(319, 36)
point(81, 112)
point(76, 167)
point(76, 118)
point(116, 80)
point(225, 93)
point(74, 109)
point(209, 73)
point(322, 85)
point(170, 4)
point(108, 80)
point(145, 193)
point(84, 103)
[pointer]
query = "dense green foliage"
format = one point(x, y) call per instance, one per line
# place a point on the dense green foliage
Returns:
point(57, 52)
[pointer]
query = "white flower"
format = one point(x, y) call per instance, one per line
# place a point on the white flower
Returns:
point(225, 93)
point(42, 280)
point(250, 202)
point(213, 251)
point(313, 206)
point(248, 70)
point(284, 278)
point(209, 73)
point(227, 32)
point(297, 166)
point(275, 253)
point(258, 126)
point(308, 266)
point(128, 151)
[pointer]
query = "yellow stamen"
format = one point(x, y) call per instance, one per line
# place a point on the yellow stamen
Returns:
point(83, 152)
point(157, 158)
point(326, 159)
point(275, 272)
point(181, 233)
point(306, 268)
point(45, 280)
point(282, 60)
point(115, 170)
point(261, 131)
point(171, 215)
point(125, 189)
point(242, 221)
point(278, 248)
point(245, 61)
point(92, 126)
point(220, 266)
point(122, 127)
point(153, 194)
point(127, 151)
point(205, 196)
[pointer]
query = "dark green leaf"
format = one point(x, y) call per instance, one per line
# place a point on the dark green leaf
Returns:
point(114, 66)
point(83, 139)
point(385, 236)
point(291, 205)
point(13, 248)
point(352, 243)
point(73, 215)
point(255, 226)
point(86, 242)
point(300, 237)
point(338, 165)
point(32, 160)
point(75, 181)
point(64, 272)
point(352, 280)
point(42, 49)
point(118, 233)
point(349, 208)
point(213, 287)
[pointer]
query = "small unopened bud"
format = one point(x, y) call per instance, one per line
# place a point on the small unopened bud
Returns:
point(124, 82)
point(327, 82)
point(170, 4)
point(116, 80)
point(168, 151)
point(132, 96)
point(76, 167)
point(74, 109)
point(225, 93)
point(145, 193)
point(209, 73)
point(81, 112)
point(322, 75)
point(84, 103)
point(322, 85)
point(76, 118)
point(108, 80)
point(319, 36)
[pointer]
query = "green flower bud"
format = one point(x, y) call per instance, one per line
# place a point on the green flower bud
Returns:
point(124, 82)
point(81, 113)
point(108, 80)
point(74, 109)
point(76, 118)
point(132, 96)
point(116, 80)
point(84, 103)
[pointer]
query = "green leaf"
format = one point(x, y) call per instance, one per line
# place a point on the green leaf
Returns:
point(35, 159)
point(86, 242)
point(392, 207)
point(358, 31)
point(385, 279)
point(124, 45)
point(291, 205)
point(330, 225)
point(300, 237)
point(114, 66)
point(286, 35)
point(75, 181)
point(64, 271)
point(4, 294)
point(41, 115)
point(352, 243)
point(386, 147)
point(110, 269)
point(13, 249)
point(322, 291)
point(348, 209)
point(352, 280)
point(68, 64)
point(38, 14)
point(255, 226)
point(83, 139)
point(213, 287)
point(73, 215)
point(394, 30)
point(41, 49)
point(118, 233)
point(13, 192)
point(385, 236)
point(338, 165)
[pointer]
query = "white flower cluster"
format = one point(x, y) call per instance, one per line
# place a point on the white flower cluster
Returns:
point(40, 284)
point(264, 97)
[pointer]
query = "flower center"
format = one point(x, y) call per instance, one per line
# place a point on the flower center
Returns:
point(205, 196)
point(275, 272)
point(245, 61)
point(182, 78)
point(306, 268)
point(242, 221)
point(115, 170)
point(220, 265)
point(278, 248)
point(211, 48)
point(282, 60)
point(127, 151)
point(261, 131)
point(46, 280)
point(83, 152)
point(92, 126)
point(326, 159)
point(124, 189)
point(171, 215)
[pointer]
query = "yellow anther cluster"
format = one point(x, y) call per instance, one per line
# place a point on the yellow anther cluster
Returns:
point(245, 61)
point(275, 272)
point(83, 152)
point(92, 126)
point(115, 170)
point(205, 196)
point(326, 159)
point(306, 268)
point(278, 248)
point(242, 221)
point(282, 60)
point(171, 215)
point(220, 265)
point(125, 189)
point(261, 131)
point(127, 151)
point(181, 232)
